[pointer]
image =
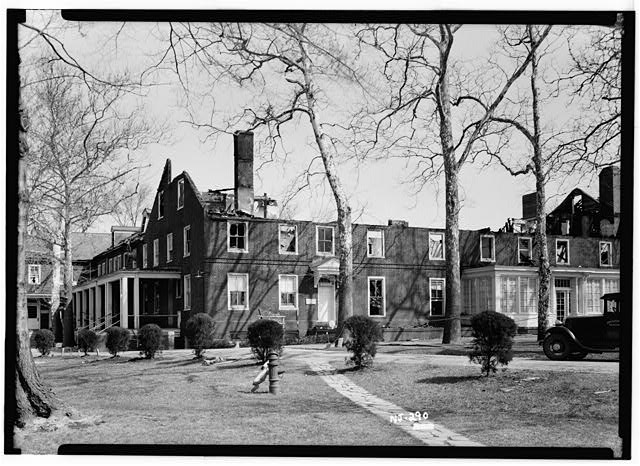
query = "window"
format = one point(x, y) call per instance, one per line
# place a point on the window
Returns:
point(593, 292)
point(436, 246)
point(324, 241)
point(186, 246)
point(156, 252)
point(509, 295)
point(34, 274)
point(237, 238)
point(377, 302)
point(180, 194)
point(487, 248)
point(436, 296)
point(288, 239)
point(562, 251)
point(611, 285)
point(187, 292)
point(160, 204)
point(375, 243)
point(562, 283)
point(485, 294)
point(116, 263)
point(605, 254)
point(238, 291)
point(111, 265)
point(169, 247)
point(178, 290)
point(528, 295)
point(288, 291)
point(32, 311)
point(468, 290)
point(524, 250)
point(145, 262)
point(124, 260)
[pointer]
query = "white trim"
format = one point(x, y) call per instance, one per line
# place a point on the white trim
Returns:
point(333, 241)
point(186, 253)
point(384, 296)
point(238, 308)
point(610, 264)
point(493, 249)
point(444, 296)
point(180, 183)
point(381, 239)
point(158, 201)
point(169, 236)
point(279, 240)
point(530, 248)
point(287, 307)
point(441, 234)
point(568, 252)
point(186, 279)
point(246, 237)
point(38, 275)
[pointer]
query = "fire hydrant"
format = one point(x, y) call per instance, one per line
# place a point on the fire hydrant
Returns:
point(274, 379)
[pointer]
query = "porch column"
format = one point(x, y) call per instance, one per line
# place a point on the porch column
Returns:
point(98, 304)
point(108, 312)
point(91, 295)
point(136, 302)
point(76, 311)
point(124, 303)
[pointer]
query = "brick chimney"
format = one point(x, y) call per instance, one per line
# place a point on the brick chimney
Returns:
point(243, 171)
point(609, 201)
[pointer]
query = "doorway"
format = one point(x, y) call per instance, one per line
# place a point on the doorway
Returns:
point(326, 302)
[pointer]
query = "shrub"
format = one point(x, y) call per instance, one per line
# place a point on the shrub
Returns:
point(149, 340)
point(365, 332)
point(265, 336)
point(199, 331)
point(492, 340)
point(87, 340)
point(44, 340)
point(117, 340)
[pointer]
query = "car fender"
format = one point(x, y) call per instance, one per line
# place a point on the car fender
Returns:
point(560, 330)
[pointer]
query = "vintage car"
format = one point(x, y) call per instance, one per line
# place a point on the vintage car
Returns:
point(580, 335)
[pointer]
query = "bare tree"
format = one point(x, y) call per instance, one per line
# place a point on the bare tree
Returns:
point(136, 196)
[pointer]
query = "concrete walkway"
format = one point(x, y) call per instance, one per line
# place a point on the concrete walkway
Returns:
point(426, 431)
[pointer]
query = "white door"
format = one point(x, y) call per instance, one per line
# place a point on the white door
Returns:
point(326, 302)
point(563, 304)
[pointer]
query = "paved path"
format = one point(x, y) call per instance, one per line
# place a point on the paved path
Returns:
point(426, 431)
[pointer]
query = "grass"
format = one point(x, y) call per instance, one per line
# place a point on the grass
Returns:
point(556, 409)
point(174, 399)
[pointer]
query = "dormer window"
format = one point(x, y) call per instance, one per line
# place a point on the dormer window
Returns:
point(180, 194)
point(605, 254)
point(524, 250)
point(375, 243)
point(160, 204)
point(487, 248)
point(34, 274)
point(436, 246)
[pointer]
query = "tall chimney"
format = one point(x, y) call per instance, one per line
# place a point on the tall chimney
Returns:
point(610, 193)
point(243, 171)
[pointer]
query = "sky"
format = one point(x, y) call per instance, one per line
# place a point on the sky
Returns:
point(379, 190)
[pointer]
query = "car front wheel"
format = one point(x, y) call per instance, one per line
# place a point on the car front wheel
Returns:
point(556, 347)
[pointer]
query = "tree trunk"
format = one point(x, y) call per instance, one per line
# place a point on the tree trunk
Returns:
point(67, 316)
point(56, 283)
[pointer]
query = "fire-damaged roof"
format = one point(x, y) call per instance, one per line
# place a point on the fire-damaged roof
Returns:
point(585, 204)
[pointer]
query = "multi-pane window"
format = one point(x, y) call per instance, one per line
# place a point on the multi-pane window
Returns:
point(485, 294)
point(288, 285)
point(593, 292)
point(436, 246)
point(376, 296)
point(237, 237)
point(186, 245)
point(524, 250)
point(169, 247)
point(160, 204)
point(611, 285)
point(324, 240)
point(238, 291)
point(32, 311)
point(180, 193)
point(509, 295)
point(145, 257)
point(487, 248)
point(34, 274)
point(116, 263)
point(187, 291)
point(605, 254)
point(468, 292)
point(528, 295)
point(562, 251)
point(156, 252)
point(375, 243)
point(110, 264)
point(288, 239)
point(436, 296)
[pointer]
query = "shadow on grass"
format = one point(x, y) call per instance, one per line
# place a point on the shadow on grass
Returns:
point(222, 365)
point(450, 379)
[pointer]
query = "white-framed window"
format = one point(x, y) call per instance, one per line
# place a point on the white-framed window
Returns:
point(375, 243)
point(288, 289)
point(169, 247)
point(145, 256)
point(524, 250)
point(468, 296)
point(509, 298)
point(238, 291)
point(605, 254)
point(160, 204)
point(487, 248)
point(187, 291)
point(436, 246)
point(287, 239)
point(485, 294)
point(376, 295)
point(110, 264)
point(180, 202)
point(156, 252)
point(186, 242)
point(528, 295)
point(324, 241)
point(34, 274)
point(592, 294)
point(116, 263)
point(436, 296)
point(562, 251)
point(237, 237)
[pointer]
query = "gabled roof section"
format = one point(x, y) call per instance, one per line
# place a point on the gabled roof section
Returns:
point(166, 175)
point(87, 245)
point(194, 188)
point(587, 203)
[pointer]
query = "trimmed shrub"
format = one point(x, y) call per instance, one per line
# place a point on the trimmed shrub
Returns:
point(87, 340)
point(365, 333)
point(149, 340)
point(199, 330)
point(117, 340)
point(265, 336)
point(44, 341)
point(493, 334)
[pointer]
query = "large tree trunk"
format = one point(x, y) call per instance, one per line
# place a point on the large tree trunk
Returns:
point(56, 283)
point(67, 304)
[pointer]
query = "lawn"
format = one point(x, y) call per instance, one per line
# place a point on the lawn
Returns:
point(177, 400)
point(510, 408)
